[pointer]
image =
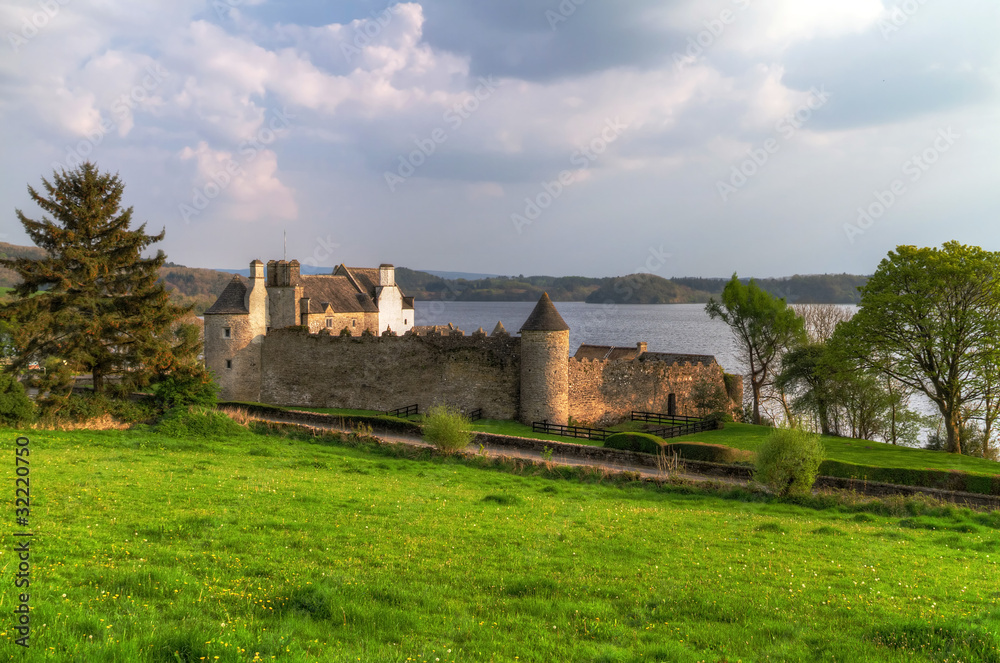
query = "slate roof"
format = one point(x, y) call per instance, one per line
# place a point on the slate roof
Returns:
point(338, 291)
point(609, 352)
point(365, 278)
point(544, 317)
point(231, 301)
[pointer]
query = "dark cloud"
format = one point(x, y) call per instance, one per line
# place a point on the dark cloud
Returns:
point(516, 38)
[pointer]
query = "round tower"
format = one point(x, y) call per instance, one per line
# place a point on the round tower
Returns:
point(545, 365)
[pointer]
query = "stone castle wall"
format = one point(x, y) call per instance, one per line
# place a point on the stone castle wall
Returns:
point(467, 372)
point(387, 372)
point(605, 392)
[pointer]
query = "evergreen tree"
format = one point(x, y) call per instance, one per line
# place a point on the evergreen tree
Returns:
point(94, 303)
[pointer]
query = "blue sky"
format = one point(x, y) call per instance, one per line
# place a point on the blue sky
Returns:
point(767, 137)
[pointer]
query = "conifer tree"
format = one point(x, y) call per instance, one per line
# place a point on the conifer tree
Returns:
point(94, 304)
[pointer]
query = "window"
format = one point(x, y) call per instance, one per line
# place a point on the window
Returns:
point(227, 333)
point(329, 323)
point(405, 321)
point(229, 363)
point(354, 323)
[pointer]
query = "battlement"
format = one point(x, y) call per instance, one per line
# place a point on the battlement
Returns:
point(284, 345)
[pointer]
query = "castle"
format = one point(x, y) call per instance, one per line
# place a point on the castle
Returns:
point(347, 340)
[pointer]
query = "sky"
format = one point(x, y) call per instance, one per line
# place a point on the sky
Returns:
point(559, 137)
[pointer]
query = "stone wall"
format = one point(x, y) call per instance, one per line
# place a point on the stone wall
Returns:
point(382, 373)
point(605, 392)
point(238, 380)
point(356, 322)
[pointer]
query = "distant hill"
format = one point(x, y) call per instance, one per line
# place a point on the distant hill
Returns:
point(200, 287)
point(8, 277)
point(644, 289)
point(423, 285)
point(468, 276)
point(798, 289)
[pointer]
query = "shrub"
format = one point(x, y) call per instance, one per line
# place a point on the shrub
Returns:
point(788, 461)
point(447, 429)
point(641, 442)
point(15, 406)
point(187, 386)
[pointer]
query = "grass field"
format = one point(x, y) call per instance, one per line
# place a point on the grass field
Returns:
point(750, 437)
point(239, 547)
point(849, 450)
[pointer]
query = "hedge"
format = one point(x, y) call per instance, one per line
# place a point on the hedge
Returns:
point(651, 444)
point(641, 442)
point(927, 478)
point(710, 453)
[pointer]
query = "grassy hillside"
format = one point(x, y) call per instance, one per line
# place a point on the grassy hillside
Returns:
point(236, 547)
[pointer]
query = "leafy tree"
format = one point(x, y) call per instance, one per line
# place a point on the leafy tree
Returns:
point(93, 303)
point(935, 313)
point(804, 375)
point(709, 397)
point(764, 327)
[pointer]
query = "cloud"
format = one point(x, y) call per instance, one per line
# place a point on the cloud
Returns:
point(238, 187)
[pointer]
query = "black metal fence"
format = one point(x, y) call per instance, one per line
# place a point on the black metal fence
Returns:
point(579, 432)
point(404, 412)
point(688, 428)
point(475, 415)
point(677, 425)
point(660, 418)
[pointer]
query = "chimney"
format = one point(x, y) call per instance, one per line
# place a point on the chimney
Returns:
point(293, 272)
point(386, 275)
point(641, 346)
point(283, 274)
point(272, 272)
point(304, 308)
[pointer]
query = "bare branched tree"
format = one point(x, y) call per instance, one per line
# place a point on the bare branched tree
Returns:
point(821, 319)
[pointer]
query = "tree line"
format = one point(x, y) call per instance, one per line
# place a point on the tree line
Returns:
point(927, 323)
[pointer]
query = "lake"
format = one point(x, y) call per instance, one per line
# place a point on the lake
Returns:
point(681, 328)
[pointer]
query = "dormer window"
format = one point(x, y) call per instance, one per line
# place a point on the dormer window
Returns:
point(227, 332)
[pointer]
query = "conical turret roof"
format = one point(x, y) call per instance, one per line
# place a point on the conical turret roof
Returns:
point(545, 317)
point(499, 329)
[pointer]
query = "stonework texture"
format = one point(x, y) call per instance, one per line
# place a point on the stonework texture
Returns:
point(383, 373)
point(240, 380)
point(544, 377)
point(606, 392)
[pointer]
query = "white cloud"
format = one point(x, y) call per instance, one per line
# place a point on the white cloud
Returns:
point(246, 188)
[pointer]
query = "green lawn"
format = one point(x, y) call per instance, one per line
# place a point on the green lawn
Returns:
point(848, 450)
point(750, 437)
point(244, 547)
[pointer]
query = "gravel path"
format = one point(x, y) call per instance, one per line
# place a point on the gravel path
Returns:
point(498, 450)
